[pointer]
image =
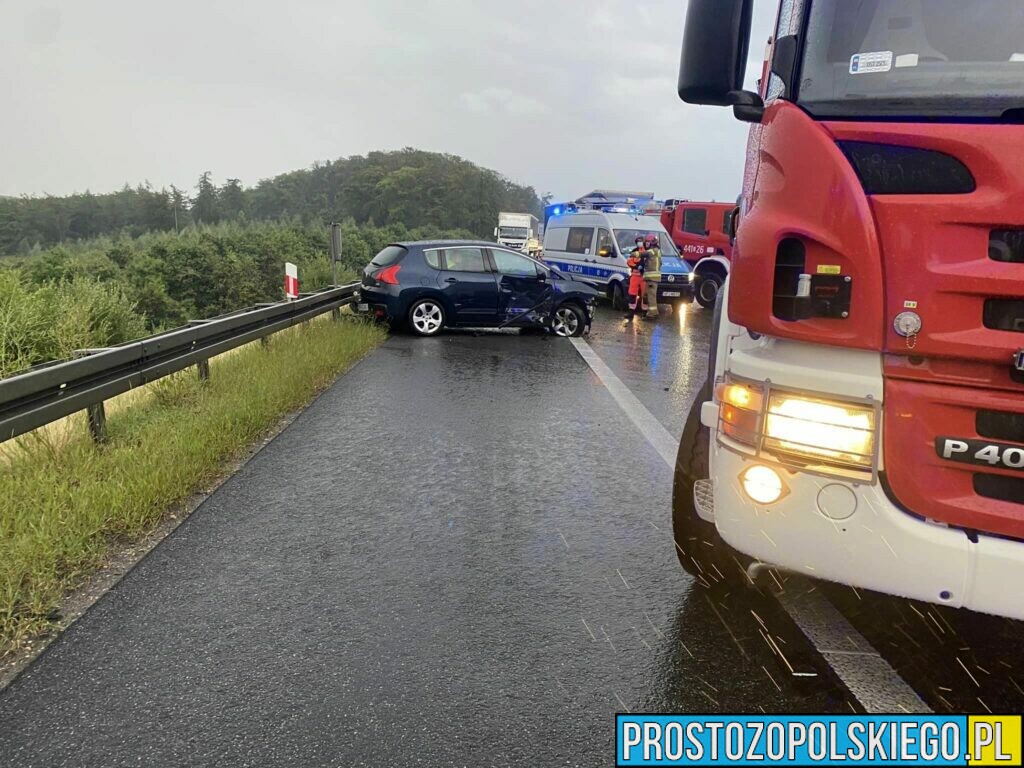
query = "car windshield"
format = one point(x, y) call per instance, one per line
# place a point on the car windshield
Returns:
point(626, 238)
point(929, 58)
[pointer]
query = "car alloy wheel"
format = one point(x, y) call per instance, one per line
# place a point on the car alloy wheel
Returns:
point(566, 322)
point(427, 318)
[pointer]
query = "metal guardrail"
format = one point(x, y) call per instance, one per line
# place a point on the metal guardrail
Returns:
point(52, 391)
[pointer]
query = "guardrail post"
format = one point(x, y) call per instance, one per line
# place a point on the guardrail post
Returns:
point(203, 368)
point(97, 422)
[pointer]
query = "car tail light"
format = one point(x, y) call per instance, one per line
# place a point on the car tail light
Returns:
point(389, 275)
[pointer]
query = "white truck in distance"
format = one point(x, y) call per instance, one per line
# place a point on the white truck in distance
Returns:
point(515, 230)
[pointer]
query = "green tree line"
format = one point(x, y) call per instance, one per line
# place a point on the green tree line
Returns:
point(109, 290)
point(409, 187)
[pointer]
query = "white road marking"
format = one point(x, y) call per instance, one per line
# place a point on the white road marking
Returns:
point(656, 434)
point(868, 677)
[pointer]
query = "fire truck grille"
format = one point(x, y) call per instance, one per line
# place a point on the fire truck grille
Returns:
point(981, 489)
point(1001, 488)
point(1007, 245)
point(1004, 315)
point(999, 425)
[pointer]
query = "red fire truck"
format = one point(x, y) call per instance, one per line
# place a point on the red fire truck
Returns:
point(703, 234)
point(863, 419)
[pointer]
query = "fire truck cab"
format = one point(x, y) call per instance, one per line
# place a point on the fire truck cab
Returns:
point(703, 234)
point(863, 418)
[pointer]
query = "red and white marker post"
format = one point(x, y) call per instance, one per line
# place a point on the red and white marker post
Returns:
point(291, 280)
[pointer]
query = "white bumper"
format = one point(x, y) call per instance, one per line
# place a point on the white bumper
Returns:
point(812, 529)
point(879, 547)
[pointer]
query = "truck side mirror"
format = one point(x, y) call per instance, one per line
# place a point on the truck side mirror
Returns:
point(714, 58)
point(730, 224)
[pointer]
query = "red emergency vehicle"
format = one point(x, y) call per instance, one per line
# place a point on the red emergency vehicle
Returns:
point(863, 419)
point(703, 234)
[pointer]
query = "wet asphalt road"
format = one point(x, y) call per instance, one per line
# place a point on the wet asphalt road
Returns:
point(459, 555)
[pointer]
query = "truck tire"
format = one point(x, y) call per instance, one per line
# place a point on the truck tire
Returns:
point(707, 289)
point(701, 551)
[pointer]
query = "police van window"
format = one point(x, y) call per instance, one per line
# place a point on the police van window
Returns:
point(626, 239)
point(604, 240)
point(433, 258)
point(695, 221)
point(514, 265)
point(465, 260)
point(668, 248)
point(555, 239)
point(580, 239)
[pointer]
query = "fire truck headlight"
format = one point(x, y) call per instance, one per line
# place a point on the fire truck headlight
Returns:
point(740, 411)
point(763, 484)
point(813, 428)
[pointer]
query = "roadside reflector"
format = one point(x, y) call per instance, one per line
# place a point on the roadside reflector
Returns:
point(291, 280)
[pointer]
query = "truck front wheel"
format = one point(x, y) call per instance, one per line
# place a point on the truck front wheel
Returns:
point(707, 289)
point(701, 551)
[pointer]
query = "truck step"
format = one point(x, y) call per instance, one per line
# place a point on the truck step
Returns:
point(704, 499)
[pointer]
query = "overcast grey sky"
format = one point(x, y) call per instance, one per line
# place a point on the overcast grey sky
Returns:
point(567, 96)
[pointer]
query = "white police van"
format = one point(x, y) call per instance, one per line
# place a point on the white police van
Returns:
point(593, 246)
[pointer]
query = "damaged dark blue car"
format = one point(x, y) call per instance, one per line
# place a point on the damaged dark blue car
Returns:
point(428, 286)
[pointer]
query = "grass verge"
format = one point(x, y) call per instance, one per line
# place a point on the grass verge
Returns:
point(64, 503)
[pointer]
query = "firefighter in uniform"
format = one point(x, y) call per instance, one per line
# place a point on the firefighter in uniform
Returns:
point(652, 275)
point(637, 290)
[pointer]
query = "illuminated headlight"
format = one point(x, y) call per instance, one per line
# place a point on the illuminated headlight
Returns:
point(739, 411)
point(818, 432)
point(830, 431)
point(763, 484)
point(691, 277)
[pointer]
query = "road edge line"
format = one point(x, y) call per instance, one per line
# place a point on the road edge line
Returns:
point(876, 686)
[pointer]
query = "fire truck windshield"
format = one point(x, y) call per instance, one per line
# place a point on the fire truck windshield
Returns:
point(914, 58)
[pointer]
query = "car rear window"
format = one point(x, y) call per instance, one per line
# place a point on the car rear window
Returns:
point(388, 256)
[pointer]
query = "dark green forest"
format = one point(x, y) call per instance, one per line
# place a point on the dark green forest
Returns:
point(409, 186)
point(94, 270)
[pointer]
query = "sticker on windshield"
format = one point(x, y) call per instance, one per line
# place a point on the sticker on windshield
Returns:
point(866, 63)
point(907, 60)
